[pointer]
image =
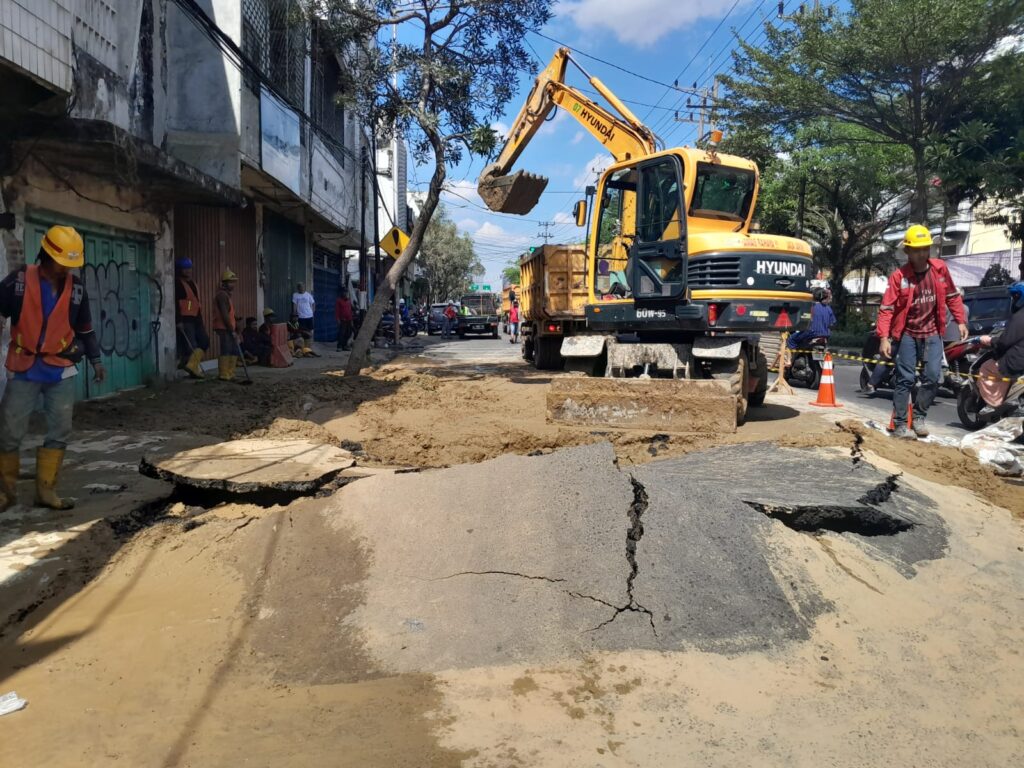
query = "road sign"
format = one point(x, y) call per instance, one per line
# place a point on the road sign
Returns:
point(477, 287)
point(394, 242)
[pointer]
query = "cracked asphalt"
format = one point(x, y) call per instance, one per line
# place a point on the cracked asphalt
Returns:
point(587, 556)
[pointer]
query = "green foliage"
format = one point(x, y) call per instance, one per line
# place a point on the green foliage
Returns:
point(996, 274)
point(511, 273)
point(447, 258)
point(902, 70)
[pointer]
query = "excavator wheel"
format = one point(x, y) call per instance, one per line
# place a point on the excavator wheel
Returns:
point(760, 372)
point(736, 372)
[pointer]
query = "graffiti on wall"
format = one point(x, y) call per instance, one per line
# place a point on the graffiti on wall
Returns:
point(125, 305)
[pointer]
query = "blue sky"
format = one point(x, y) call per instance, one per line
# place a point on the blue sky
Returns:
point(664, 40)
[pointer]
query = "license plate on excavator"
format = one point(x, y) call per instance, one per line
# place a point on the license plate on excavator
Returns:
point(681, 406)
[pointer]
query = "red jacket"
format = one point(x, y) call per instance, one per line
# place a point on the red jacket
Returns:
point(892, 314)
point(343, 310)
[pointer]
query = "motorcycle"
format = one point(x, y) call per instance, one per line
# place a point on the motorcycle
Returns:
point(387, 327)
point(971, 407)
point(805, 366)
point(958, 356)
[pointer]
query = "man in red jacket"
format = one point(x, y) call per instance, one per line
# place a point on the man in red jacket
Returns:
point(913, 314)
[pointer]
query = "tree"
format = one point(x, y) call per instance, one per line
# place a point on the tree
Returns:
point(441, 79)
point(901, 69)
point(996, 274)
point(447, 258)
point(511, 273)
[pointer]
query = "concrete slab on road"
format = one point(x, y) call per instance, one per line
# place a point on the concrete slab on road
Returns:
point(474, 349)
point(531, 559)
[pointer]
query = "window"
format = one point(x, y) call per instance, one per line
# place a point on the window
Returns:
point(722, 193)
point(659, 210)
point(615, 231)
point(327, 113)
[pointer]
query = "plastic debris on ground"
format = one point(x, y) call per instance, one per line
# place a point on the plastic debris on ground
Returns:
point(999, 446)
point(10, 702)
point(949, 442)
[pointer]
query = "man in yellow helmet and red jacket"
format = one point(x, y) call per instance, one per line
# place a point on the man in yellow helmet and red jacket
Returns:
point(51, 330)
point(913, 314)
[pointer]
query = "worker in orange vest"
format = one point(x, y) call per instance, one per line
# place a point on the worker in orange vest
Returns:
point(226, 326)
point(51, 330)
point(192, 339)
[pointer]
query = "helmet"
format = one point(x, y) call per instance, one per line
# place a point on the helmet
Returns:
point(184, 263)
point(917, 237)
point(1016, 291)
point(401, 302)
point(64, 245)
point(268, 312)
point(228, 276)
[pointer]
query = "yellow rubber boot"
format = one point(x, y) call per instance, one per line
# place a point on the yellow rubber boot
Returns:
point(225, 369)
point(48, 463)
point(10, 464)
point(193, 366)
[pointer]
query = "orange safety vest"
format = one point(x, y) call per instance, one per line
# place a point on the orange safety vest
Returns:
point(189, 306)
point(218, 323)
point(33, 336)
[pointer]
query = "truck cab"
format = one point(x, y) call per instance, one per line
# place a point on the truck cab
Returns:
point(478, 314)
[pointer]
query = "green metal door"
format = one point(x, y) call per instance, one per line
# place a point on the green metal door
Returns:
point(125, 300)
point(284, 248)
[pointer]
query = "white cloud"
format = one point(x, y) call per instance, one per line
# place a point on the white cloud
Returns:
point(594, 166)
point(580, 136)
point(551, 125)
point(459, 192)
point(501, 128)
point(640, 22)
point(467, 225)
point(564, 218)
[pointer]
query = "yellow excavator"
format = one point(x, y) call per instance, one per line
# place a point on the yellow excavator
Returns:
point(679, 290)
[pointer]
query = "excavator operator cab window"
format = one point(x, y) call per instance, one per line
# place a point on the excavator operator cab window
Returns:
point(657, 256)
point(616, 231)
point(722, 193)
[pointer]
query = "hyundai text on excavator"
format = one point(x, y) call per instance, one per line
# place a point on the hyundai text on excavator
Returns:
point(678, 289)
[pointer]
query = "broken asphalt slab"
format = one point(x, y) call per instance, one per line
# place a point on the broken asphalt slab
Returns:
point(252, 465)
point(531, 559)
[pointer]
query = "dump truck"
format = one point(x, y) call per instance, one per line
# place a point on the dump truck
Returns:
point(678, 286)
point(553, 297)
point(509, 294)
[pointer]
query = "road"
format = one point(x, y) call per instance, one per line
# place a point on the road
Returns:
point(847, 375)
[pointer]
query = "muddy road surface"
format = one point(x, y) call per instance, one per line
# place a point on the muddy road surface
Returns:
point(517, 593)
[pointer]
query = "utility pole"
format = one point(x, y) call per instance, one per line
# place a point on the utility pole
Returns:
point(704, 107)
point(546, 233)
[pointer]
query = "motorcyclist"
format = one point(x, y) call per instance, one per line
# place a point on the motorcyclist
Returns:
point(822, 320)
point(1009, 349)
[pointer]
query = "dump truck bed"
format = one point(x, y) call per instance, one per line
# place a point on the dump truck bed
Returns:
point(553, 282)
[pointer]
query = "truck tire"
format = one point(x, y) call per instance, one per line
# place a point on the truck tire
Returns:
point(736, 373)
point(528, 348)
point(756, 397)
point(547, 354)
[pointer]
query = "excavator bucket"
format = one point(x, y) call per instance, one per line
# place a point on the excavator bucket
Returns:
point(681, 406)
point(516, 193)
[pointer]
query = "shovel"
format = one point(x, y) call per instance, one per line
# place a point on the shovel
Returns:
point(245, 366)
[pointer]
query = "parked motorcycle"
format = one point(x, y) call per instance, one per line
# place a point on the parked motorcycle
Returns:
point(387, 327)
point(972, 409)
point(958, 358)
point(805, 366)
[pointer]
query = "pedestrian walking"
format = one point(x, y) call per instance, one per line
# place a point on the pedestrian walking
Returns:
point(913, 315)
point(226, 326)
point(304, 307)
point(51, 330)
point(513, 323)
point(192, 339)
point(343, 316)
point(450, 316)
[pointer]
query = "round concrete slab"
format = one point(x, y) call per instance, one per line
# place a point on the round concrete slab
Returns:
point(246, 466)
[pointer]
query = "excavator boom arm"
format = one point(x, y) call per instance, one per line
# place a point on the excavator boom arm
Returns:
point(623, 134)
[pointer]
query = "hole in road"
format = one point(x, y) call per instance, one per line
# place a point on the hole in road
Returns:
point(864, 521)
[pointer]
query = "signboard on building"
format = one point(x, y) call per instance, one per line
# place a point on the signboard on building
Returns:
point(280, 141)
point(477, 287)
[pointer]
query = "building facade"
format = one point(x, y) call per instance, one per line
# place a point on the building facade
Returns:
point(212, 129)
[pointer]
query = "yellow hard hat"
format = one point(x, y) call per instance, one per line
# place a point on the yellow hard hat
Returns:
point(228, 276)
point(268, 312)
point(65, 246)
point(917, 237)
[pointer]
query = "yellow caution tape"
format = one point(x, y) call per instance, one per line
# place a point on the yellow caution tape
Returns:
point(856, 359)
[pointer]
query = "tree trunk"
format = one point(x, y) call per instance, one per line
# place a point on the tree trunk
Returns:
point(919, 206)
point(359, 356)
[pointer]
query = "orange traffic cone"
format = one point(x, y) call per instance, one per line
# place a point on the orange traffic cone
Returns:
point(910, 418)
point(827, 386)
